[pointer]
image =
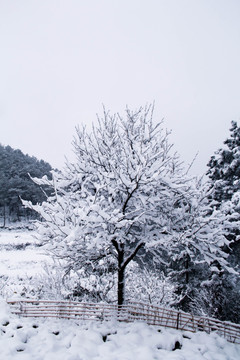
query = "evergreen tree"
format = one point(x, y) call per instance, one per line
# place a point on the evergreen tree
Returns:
point(224, 175)
point(224, 168)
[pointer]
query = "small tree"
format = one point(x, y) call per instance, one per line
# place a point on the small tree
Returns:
point(125, 197)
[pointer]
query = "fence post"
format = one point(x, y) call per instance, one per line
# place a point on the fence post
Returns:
point(178, 315)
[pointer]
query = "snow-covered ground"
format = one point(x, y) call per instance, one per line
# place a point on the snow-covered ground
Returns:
point(20, 255)
point(41, 339)
point(46, 339)
point(21, 260)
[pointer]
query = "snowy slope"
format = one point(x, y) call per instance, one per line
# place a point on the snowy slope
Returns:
point(40, 339)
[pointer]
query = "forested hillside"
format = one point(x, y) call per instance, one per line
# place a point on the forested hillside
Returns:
point(15, 183)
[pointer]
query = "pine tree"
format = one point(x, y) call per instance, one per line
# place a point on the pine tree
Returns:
point(224, 175)
point(224, 167)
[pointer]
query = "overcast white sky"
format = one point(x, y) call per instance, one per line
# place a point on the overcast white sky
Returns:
point(61, 60)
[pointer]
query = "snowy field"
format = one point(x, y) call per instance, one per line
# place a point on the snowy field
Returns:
point(20, 255)
point(40, 339)
point(21, 261)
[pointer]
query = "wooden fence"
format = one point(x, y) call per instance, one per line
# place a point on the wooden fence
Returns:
point(152, 315)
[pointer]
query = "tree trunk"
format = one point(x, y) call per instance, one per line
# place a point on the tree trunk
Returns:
point(4, 215)
point(187, 269)
point(122, 264)
point(121, 278)
point(121, 287)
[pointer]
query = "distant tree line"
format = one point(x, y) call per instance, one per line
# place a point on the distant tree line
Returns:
point(16, 183)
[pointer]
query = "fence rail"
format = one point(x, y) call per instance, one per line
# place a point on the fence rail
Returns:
point(152, 315)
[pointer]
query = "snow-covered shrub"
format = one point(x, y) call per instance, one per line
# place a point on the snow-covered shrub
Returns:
point(149, 286)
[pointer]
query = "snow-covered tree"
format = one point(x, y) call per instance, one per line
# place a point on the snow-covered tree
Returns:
point(224, 180)
point(198, 247)
point(224, 167)
point(224, 174)
point(127, 196)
